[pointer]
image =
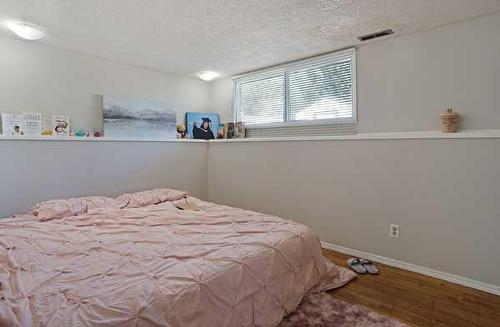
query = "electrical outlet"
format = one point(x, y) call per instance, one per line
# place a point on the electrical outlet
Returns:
point(394, 230)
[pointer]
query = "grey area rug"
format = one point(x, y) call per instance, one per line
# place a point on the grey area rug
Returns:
point(321, 309)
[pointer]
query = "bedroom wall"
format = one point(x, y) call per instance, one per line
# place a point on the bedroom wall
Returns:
point(34, 171)
point(40, 78)
point(443, 193)
point(404, 82)
point(50, 80)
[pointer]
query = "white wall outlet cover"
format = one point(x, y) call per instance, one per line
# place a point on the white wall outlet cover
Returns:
point(394, 230)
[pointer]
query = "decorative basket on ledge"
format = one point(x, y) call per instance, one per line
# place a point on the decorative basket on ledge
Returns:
point(450, 121)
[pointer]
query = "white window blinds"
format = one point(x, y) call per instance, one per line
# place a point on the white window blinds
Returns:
point(323, 92)
point(263, 100)
point(313, 91)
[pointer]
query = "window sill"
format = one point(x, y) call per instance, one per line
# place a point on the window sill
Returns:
point(469, 134)
point(90, 139)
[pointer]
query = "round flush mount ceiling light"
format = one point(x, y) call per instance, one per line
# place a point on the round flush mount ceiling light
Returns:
point(207, 75)
point(25, 30)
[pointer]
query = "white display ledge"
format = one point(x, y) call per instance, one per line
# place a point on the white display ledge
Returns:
point(472, 134)
point(89, 139)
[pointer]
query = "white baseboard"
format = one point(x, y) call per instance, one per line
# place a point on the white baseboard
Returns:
point(464, 281)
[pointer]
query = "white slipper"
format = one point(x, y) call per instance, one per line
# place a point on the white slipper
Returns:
point(369, 266)
point(355, 264)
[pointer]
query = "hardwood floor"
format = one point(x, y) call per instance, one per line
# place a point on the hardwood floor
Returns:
point(418, 300)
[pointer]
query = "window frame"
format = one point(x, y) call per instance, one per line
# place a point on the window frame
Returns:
point(285, 69)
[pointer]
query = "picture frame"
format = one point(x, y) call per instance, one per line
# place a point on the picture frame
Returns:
point(202, 125)
point(140, 119)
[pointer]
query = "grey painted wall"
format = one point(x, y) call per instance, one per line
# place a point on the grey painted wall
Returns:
point(405, 82)
point(50, 80)
point(33, 171)
point(443, 193)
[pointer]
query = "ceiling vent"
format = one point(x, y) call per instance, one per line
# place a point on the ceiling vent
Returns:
point(375, 35)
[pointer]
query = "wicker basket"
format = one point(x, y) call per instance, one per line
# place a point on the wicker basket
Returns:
point(450, 121)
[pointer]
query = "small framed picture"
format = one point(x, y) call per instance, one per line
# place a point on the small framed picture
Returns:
point(202, 125)
point(12, 124)
point(234, 130)
point(60, 125)
point(239, 130)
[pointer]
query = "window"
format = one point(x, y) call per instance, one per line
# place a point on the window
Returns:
point(312, 91)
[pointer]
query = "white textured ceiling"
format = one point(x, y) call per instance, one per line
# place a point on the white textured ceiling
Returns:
point(228, 36)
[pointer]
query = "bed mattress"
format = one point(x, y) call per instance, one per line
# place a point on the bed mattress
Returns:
point(158, 266)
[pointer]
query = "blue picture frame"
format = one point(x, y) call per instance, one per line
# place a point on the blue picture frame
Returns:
point(196, 129)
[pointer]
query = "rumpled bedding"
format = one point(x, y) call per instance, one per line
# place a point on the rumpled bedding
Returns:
point(157, 265)
point(55, 209)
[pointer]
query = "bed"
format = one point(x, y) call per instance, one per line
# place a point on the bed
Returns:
point(140, 260)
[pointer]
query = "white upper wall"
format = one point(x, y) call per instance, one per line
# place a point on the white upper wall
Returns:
point(51, 80)
point(405, 82)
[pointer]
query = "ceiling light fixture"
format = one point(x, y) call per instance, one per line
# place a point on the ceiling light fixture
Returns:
point(25, 30)
point(207, 75)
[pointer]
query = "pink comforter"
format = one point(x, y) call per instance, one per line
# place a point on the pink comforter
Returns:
point(158, 265)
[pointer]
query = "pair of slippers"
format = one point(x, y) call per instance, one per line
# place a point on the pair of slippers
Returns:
point(362, 266)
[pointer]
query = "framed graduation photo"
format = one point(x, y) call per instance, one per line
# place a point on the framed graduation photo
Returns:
point(202, 125)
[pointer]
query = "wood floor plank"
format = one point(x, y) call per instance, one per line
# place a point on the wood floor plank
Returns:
point(418, 300)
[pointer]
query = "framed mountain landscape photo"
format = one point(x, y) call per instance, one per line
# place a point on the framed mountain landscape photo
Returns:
point(141, 119)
